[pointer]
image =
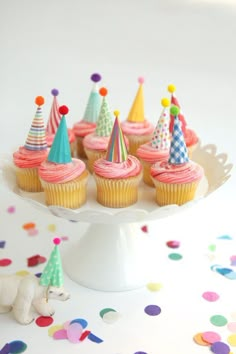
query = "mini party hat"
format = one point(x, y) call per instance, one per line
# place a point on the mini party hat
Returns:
point(54, 117)
point(94, 102)
point(60, 150)
point(178, 150)
point(116, 151)
point(52, 274)
point(161, 135)
point(174, 102)
point(36, 139)
point(136, 113)
point(104, 122)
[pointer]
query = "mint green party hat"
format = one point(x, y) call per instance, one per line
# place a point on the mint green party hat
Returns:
point(105, 121)
point(94, 102)
point(52, 274)
point(60, 150)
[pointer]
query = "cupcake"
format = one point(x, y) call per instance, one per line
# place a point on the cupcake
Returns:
point(28, 158)
point(64, 179)
point(190, 137)
point(177, 179)
point(88, 124)
point(117, 175)
point(54, 121)
point(136, 127)
point(158, 148)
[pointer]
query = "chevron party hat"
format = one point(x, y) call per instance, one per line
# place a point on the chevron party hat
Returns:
point(136, 113)
point(94, 102)
point(161, 135)
point(178, 150)
point(52, 274)
point(36, 139)
point(174, 102)
point(54, 116)
point(117, 150)
point(105, 121)
point(60, 150)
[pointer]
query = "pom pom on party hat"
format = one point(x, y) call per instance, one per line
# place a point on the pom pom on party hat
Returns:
point(105, 121)
point(161, 135)
point(52, 274)
point(54, 116)
point(178, 150)
point(94, 102)
point(117, 150)
point(136, 113)
point(36, 139)
point(174, 102)
point(60, 150)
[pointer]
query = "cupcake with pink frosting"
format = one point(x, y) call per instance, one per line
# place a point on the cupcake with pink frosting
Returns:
point(177, 179)
point(158, 148)
point(89, 122)
point(64, 179)
point(28, 158)
point(117, 175)
point(54, 121)
point(136, 127)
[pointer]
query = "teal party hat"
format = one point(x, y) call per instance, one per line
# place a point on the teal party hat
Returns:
point(105, 121)
point(94, 102)
point(52, 274)
point(60, 150)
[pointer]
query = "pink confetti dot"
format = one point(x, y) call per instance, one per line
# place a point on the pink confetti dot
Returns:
point(210, 296)
point(5, 262)
point(211, 337)
point(11, 209)
point(33, 232)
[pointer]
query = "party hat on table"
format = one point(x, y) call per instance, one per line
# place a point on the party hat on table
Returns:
point(52, 274)
point(178, 150)
point(36, 139)
point(94, 102)
point(161, 135)
point(116, 151)
point(105, 121)
point(54, 117)
point(174, 102)
point(136, 113)
point(60, 151)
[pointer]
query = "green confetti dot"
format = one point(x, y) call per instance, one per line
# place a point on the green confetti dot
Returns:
point(175, 256)
point(218, 320)
point(212, 248)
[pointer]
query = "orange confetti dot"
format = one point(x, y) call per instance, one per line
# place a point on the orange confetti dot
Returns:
point(198, 339)
point(28, 226)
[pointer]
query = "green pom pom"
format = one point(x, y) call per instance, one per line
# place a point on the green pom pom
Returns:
point(174, 110)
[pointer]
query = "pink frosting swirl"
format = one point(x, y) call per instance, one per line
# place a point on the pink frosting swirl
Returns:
point(107, 169)
point(61, 173)
point(82, 128)
point(25, 158)
point(50, 137)
point(190, 137)
point(183, 173)
point(137, 128)
point(99, 143)
point(151, 154)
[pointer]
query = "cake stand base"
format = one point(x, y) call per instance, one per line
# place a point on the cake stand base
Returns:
point(109, 257)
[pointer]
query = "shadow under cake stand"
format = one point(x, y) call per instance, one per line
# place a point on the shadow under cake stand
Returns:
point(112, 254)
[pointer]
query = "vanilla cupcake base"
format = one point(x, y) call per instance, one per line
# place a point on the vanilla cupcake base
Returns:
point(147, 179)
point(117, 193)
point(135, 141)
point(27, 179)
point(70, 195)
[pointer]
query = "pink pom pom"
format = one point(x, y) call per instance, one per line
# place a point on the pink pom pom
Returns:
point(141, 80)
point(56, 241)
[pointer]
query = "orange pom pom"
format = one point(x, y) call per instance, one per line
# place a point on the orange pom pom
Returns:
point(39, 100)
point(103, 91)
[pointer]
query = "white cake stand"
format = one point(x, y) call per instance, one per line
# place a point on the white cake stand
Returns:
point(113, 254)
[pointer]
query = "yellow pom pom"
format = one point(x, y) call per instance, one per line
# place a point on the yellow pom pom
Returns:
point(116, 113)
point(171, 88)
point(165, 102)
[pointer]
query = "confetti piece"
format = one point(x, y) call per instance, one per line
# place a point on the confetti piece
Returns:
point(28, 226)
point(5, 349)
point(5, 262)
point(175, 256)
point(44, 321)
point(38, 275)
point(81, 321)
point(232, 340)
point(33, 232)
point(140, 353)
point(211, 337)
point(2, 244)
point(60, 334)
point(173, 244)
point(17, 346)
point(64, 238)
point(22, 273)
point(144, 228)
point(212, 248)
point(152, 310)
point(94, 338)
point(11, 209)
point(84, 335)
point(105, 310)
point(33, 261)
point(199, 340)
point(54, 329)
point(154, 286)
point(52, 227)
point(218, 320)
point(232, 327)
point(220, 348)
point(74, 332)
point(210, 296)
point(223, 271)
point(225, 237)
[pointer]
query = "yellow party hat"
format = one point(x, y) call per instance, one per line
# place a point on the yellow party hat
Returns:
point(136, 113)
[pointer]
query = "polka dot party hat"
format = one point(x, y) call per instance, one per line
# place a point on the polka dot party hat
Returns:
point(52, 274)
point(161, 135)
point(94, 102)
point(105, 121)
point(178, 150)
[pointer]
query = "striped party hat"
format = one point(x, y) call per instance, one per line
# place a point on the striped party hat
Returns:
point(60, 150)
point(94, 102)
point(174, 102)
point(105, 121)
point(178, 150)
point(116, 151)
point(136, 113)
point(54, 117)
point(36, 139)
point(161, 135)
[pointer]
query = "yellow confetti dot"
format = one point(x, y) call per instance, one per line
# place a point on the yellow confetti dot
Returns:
point(52, 227)
point(154, 286)
point(53, 329)
point(22, 273)
point(232, 340)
